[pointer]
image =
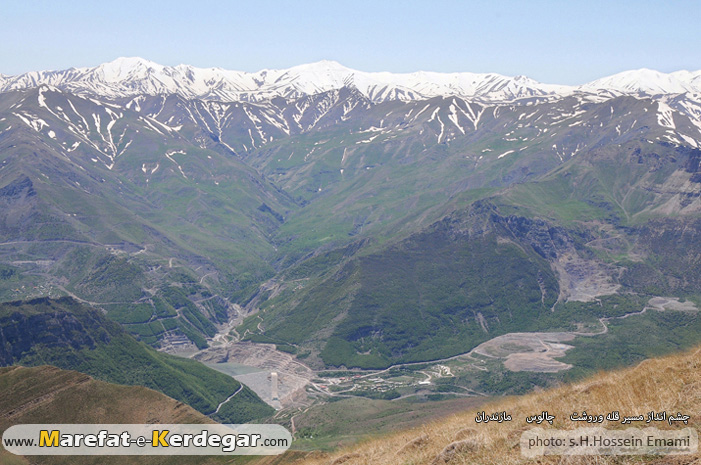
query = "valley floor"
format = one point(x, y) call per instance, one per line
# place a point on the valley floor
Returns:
point(320, 407)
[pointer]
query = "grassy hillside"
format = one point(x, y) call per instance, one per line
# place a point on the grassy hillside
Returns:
point(671, 384)
point(435, 294)
point(48, 395)
point(73, 336)
point(124, 209)
point(616, 219)
point(348, 421)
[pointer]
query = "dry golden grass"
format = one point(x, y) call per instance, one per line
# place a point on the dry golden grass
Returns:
point(671, 384)
point(48, 395)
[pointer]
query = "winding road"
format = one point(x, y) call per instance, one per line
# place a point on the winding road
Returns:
point(227, 399)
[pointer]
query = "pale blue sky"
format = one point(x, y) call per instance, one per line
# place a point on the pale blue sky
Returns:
point(565, 42)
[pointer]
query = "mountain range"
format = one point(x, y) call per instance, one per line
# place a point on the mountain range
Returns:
point(353, 219)
point(129, 77)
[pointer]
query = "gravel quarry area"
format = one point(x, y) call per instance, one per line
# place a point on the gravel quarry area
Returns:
point(671, 303)
point(529, 351)
point(252, 364)
point(583, 280)
point(537, 352)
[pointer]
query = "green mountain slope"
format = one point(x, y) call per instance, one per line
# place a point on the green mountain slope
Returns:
point(614, 220)
point(72, 336)
point(330, 213)
point(433, 295)
point(104, 203)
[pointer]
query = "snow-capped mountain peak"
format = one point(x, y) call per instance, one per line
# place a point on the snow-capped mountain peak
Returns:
point(132, 76)
point(648, 81)
point(124, 68)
